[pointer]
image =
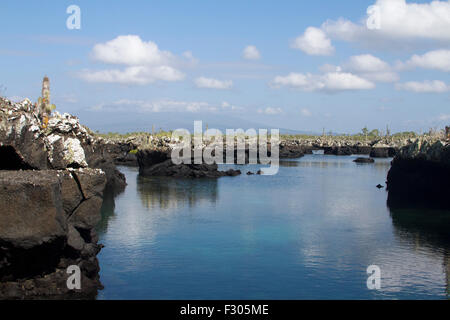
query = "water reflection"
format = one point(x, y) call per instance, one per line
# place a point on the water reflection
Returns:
point(287, 163)
point(427, 231)
point(336, 162)
point(308, 232)
point(171, 193)
point(107, 210)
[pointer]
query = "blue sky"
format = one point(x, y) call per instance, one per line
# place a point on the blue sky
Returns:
point(310, 65)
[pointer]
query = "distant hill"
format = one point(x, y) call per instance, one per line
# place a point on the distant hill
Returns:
point(125, 122)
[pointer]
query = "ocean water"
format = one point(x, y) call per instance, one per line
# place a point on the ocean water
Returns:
point(309, 232)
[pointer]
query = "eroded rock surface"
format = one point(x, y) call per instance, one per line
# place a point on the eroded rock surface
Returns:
point(52, 178)
point(43, 231)
point(64, 143)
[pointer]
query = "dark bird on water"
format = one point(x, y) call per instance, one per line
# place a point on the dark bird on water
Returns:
point(379, 186)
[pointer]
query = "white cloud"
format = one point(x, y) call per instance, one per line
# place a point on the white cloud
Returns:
point(133, 75)
point(228, 106)
point(436, 60)
point(270, 111)
point(131, 50)
point(444, 117)
point(211, 83)
point(435, 86)
point(314, 42)
point(144, 62)
point(16, 98)
point(366, 63)
point(251, 53)
point(165, 105)
point(305, 112)
point(345, 81)
point(371, 67)
point(400, 22)
point(328, 82)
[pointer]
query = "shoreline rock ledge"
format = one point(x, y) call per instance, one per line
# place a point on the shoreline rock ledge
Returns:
point(154, 162)
point(52, 178)
point(420, 174)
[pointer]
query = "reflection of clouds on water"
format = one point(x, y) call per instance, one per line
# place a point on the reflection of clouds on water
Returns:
point(347, 203)
point(331, 161)
point(424, 232)
point(171, 193)
point(310, 231)
point(141, 214)
point(123, 226)
point(403, 269)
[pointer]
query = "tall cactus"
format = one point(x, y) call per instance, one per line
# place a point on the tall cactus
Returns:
point(45, 108)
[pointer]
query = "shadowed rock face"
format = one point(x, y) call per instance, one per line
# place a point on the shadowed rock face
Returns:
point(10, 160)
point(50, 200)
point(339, 151)
point(47, 220)
point(420, 174)
point(383, 152)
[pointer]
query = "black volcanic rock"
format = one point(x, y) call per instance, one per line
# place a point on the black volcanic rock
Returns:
point(362, 149)
point(41, 233)
point(364, 160)
point(383, 152)
point(158, 163)
point(288, 151)
point(420, 174)
point(339, 151)
point(50, 199)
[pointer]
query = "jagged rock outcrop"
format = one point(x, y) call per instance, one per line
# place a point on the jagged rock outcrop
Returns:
point(64, 143)
point(123, 152)
point(291, 150)
point(420, 174)
point(158, 163)
point(52, 178)
point(47, 221)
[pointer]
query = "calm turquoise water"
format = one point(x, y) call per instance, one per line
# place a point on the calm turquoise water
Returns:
point(309, 232)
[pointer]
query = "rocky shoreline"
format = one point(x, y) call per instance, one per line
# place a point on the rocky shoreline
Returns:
point(124, 151)
point(159, 163)
point(52, 177)
point(152, 153)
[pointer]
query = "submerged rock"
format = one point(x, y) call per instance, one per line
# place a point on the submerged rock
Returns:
point(364, 160)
